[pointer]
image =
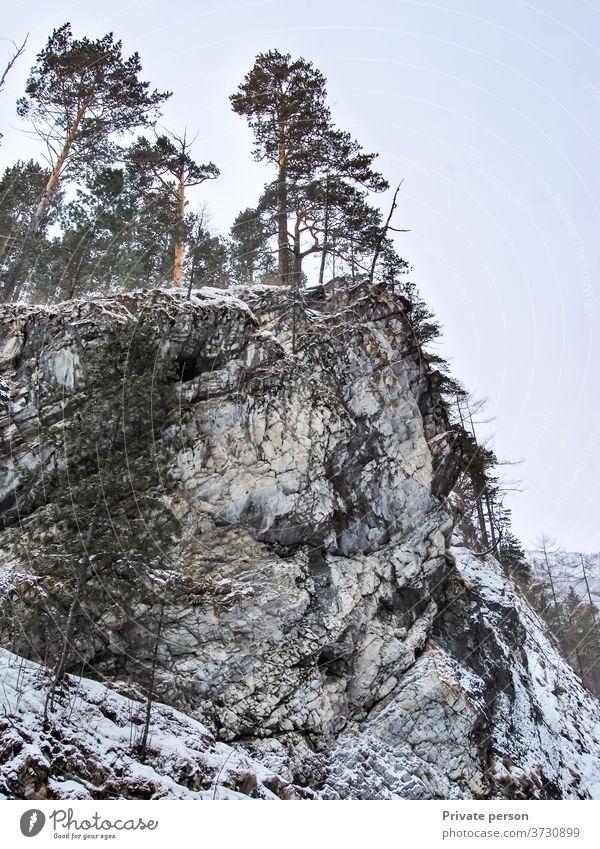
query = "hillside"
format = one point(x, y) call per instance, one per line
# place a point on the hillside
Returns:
point(566, 570)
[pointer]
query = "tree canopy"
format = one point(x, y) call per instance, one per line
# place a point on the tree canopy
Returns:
point(80, 94)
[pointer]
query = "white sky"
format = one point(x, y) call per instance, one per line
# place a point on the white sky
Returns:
point(491, 114)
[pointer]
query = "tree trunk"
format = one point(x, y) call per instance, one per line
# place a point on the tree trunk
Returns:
point(576, 651)
point(550, 577)
point(6, 241)
point(192, 275)
point(78, 257)
point(296, 273)
point(12, 287)
point(325, 234)
point(333, 251)
point(587, 587)
point(594, 669)
point(297, 261)
point(383, 234)
point(481, 520)
point(144, 741)
point(490, 513)
point(61, 665)
point(179, 231)
point(13, 284)
point(282, 225)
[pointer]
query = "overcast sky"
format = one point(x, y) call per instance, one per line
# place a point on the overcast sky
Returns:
point(490, 112)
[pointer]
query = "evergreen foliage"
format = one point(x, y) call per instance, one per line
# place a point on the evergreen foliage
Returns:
point(323, 175)
point(21, 186)
point(170, 163)
point(250, 256)
point(284, 103)
point(79, 96)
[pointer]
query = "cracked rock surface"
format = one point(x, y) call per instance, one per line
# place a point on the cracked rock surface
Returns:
point(340, 647)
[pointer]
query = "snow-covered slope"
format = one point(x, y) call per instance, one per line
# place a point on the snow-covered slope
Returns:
point(88, 747)
point(547, 726)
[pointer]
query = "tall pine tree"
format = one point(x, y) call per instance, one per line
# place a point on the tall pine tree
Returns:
point(284, 102)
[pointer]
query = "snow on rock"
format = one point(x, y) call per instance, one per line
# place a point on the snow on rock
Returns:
point(89, 747)
point(489, 710)
point(336, 634)
point(545, 734)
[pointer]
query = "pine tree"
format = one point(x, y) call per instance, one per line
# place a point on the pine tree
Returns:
point(477, 461)
point(284, 102)
point(249, 249)
point(117, 233)
point(20, 189)
point(512, 557)
point(330, 192)
point(169, 160)
point(207, 255)
point(80, 95)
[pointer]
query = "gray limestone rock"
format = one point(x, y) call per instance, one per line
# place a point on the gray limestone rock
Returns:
point(320, 623)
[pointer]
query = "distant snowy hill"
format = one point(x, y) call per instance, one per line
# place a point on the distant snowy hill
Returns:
point(567, 571)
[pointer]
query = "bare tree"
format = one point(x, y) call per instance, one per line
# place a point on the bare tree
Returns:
point(547, 545)
point(143, 745)
point(384, 231)
point(12, 58)
point(589, 594)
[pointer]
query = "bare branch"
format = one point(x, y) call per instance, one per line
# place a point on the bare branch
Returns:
point(12, 59)
point(384, 231)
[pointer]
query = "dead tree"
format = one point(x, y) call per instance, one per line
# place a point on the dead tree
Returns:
point(384, 231)
point(12, 59)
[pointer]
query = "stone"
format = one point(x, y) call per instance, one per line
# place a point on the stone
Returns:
point(330, 632)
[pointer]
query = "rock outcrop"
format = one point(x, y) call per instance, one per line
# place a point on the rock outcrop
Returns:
point(322, 626)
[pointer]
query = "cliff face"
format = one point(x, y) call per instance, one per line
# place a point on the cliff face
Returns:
point(321, 625)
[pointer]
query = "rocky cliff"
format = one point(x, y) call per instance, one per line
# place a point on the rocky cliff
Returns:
point(301, 602)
